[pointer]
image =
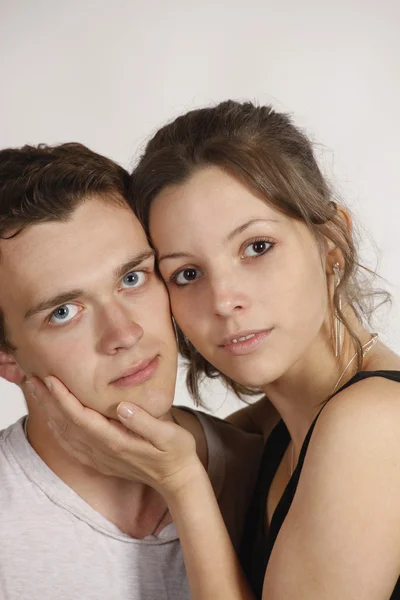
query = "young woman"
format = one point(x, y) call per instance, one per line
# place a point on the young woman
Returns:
point(267, 293)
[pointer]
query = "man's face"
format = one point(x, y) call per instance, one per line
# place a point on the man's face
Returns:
point(82, 302)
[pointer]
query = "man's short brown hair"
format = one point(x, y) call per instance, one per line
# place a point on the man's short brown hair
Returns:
point(47, 183)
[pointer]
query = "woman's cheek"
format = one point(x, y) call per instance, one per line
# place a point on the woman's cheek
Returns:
point(177, 306)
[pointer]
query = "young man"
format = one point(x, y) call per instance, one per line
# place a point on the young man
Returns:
point(80, 299)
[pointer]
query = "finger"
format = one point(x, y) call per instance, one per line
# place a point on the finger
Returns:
point(54, 398)
point(35, 389)
point(158, 433)
point(65, 413)
point(61, 407)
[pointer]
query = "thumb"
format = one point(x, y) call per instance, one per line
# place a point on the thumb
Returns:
point(158, 433)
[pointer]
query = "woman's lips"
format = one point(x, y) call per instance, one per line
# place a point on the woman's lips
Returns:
point(245, 346)
point(138, 374)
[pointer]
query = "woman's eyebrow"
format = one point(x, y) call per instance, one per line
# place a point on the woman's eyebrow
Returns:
point(228, 238)
point(174, 255)
point(243, 227)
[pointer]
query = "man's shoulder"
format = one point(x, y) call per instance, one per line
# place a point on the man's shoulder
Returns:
point(234, 456)
point(258, 417)
point(232, 437)
point(4, 433)
point(9, 438)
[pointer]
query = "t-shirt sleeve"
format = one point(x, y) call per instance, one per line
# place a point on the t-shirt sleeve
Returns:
point(234, 458)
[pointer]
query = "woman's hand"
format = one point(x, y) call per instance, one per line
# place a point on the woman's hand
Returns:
point(158, 453)
point(162, 455)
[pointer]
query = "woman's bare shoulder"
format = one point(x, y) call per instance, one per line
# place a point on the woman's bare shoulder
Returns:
point(347, 497)
point(360, 411)
point(378, 393)
point(359, 427)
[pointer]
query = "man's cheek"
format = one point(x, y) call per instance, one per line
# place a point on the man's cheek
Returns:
point(31, 362)
point(49, 361)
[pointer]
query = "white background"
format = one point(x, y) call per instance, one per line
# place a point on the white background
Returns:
point(108, 73)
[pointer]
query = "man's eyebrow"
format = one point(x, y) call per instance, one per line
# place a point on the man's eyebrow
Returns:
point(62, 298)
point(72, 295)
point(229, 237)
point(134, 262)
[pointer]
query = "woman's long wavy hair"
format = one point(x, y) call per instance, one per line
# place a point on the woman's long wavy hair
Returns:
point(270, 155)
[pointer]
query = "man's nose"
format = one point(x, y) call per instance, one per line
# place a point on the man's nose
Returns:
point(119, 330)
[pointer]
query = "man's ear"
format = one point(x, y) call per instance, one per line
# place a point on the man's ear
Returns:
point(10, 369)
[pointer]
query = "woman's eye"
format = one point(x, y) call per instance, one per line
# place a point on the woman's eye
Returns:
point(186, 276)
point(64, 313)
point(257, 248)
point(133, 279)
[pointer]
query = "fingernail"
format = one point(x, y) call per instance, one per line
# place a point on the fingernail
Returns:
point(30, 388)
point(47, 383)
point(125, 411)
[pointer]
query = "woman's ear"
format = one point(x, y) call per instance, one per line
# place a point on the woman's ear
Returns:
point(10, 369)
point(334, 254)
point(345, 216)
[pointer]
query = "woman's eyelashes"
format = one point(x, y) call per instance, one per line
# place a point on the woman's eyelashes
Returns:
point(185, 276)
point(257, 247)
point(252, 249)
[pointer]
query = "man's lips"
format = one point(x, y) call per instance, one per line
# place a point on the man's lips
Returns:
point(244, 342)
point(137, 373)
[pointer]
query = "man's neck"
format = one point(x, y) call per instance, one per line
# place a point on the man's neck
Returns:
point(132, 506)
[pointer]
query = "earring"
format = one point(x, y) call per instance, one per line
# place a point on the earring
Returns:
point(338, 323)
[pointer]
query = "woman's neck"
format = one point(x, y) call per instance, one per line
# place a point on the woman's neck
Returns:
point(299, 393)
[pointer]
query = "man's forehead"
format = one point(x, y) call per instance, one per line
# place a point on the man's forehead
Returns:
point(91, 220)
point(96, 241)
point(29, 294)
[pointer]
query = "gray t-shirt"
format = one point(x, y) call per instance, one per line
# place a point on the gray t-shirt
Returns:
point(55, 546)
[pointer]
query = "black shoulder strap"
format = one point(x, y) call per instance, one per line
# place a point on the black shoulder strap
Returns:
point(287, 498)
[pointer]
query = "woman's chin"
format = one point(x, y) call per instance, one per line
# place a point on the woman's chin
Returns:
point(256, 378)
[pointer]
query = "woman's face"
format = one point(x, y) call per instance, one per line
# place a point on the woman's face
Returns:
point(247, 284)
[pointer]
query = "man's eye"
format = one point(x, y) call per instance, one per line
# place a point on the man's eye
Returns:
point(257, 248)
point(186, 276)
point(64, 313)
point(133, 279)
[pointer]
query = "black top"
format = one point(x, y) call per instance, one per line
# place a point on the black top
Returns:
point(257, 544)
